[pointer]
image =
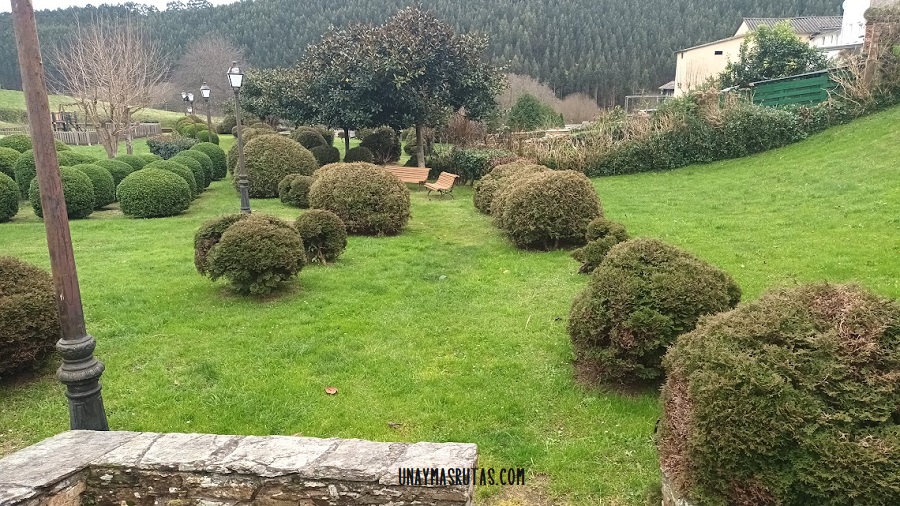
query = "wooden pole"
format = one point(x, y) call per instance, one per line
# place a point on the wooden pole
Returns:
point(80, 371)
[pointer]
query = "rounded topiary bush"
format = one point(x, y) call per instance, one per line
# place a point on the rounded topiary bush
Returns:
point(136, 162)
point(8, 157)
point(102, 180)
point(78, 192)
point(149, 158)
point(216, 156)
point(153, 193)
point(324, 235)
point(367, 198)
point(602, 235)
point(117, 169)
point(181, 170)
point(293, 190)
point(19, 142)
point(9, 198)
point(207, 136)
point(384, 144)
point(205, 162)
point(308, 137)
point(486, 188)
point(271, 157)
point(208, 236)
point(643, 295)
point(359, 154)
point(61, 146)
point(28, 315)
point(326, 154)
point(196, 169)
point(25, 170)
point(547, 209)
point(790, 399)
point(257, 254)
point(76, 158)
point(231, 159)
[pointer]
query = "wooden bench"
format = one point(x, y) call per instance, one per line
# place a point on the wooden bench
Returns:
point(443, 185)
point(413, 175)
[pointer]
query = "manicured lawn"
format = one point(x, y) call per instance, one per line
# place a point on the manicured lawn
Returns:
point(446, 329)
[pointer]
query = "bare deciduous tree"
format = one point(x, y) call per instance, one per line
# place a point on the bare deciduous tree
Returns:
point(207, 60)
point(112, 69)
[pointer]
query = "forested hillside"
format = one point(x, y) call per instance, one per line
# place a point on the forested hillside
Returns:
point(605, 48)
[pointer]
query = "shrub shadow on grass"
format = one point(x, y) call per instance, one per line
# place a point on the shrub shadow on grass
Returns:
point(589, 376)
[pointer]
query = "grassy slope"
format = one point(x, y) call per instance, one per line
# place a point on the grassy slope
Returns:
point(446, 329)
point(16, 100)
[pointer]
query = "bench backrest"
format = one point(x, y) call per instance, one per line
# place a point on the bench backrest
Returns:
point(446, 180)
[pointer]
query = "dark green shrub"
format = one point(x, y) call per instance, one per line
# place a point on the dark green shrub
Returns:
point(473, 163)
point(61, 146)
point(75, 158)
point(602, 235)
point(259, 125)
point(66, 159)
point(19, 142)
point(326, 154)
point(326, 133)
point(9, 197)
point(153, 193)
point(207, 136)
point(136, 162)
point(28, 316)
point(257, 254)
point(308, 137)
point(192, 130)
point(789, 399)
point(181, 170)
point(643, 295)
point(271, 157)
point(8, 157)
point(166, 146)
point(529, 113)
point(496, 181)
point(217, 158)
point(26, 170)
point(150, 158)
point(78, 192)
point(205, 162)
point(324, 235)
point(102, 180)
point(547, 210)
point(208, 236)
point(231, 158)
point(196, 169)
point(367, 198)
point(117, 169)
point(384, 144)
point(359, 154)
point(183, 121)
point(293, 190)
point(252, 133)
point(411, 147)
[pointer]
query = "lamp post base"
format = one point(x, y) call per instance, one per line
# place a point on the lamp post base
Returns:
point(80, 372)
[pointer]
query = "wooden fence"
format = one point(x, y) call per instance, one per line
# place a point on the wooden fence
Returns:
point(805, 89)
point(88, 137)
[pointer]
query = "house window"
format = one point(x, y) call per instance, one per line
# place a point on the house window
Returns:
point(719, 53)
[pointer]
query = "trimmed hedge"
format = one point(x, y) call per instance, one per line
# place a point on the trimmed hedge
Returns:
point(150, 158)
point(384, 144)
point(181, 170)
point(367, 198)
point(8, 157)
point(78, 193)
point(19, 142)
point(326, 154)
point(644, 295)
point(208, 236)
point(217, 158)
point(293, 190)
point(207, 136)
point(547, 210)
point(102, 180)
point(231, 159)
point(271, 157)
point(308, 137)
point(602, 235)
point(153, 193)
point(28, 316)
point(498, 179)
point(196, 170)
point(324, 235)
point(26, 170)
point(205, 162)
point(9, 198)
point(136, 162)
point(257, 254)
point(472, 164)
point(75, 158)
point(117, 169)
point(789, 399)
point(359, 154)
point(166, 145)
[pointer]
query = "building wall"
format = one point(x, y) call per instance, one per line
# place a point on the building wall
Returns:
point(694, 66)
point(853, 28)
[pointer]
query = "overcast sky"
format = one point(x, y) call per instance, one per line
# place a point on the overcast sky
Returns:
point(56, 4)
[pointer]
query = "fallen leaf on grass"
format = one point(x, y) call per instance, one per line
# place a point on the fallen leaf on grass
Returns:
point(331, 390)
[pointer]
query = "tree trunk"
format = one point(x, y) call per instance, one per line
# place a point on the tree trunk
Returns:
point(109, 140)
point(346, 142)
point(420, 146)
point(129, 139)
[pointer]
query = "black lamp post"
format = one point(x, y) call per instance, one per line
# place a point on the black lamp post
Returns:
point(236, 79)
point(204, 90)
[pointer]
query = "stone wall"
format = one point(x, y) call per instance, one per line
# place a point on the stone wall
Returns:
point(133, 468)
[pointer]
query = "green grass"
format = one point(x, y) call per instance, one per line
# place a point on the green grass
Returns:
point(11, 99)
point(447, 329)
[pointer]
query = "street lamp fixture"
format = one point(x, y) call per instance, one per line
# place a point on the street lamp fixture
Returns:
point(236, 80)
point(205, 91)
point(188, 97)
